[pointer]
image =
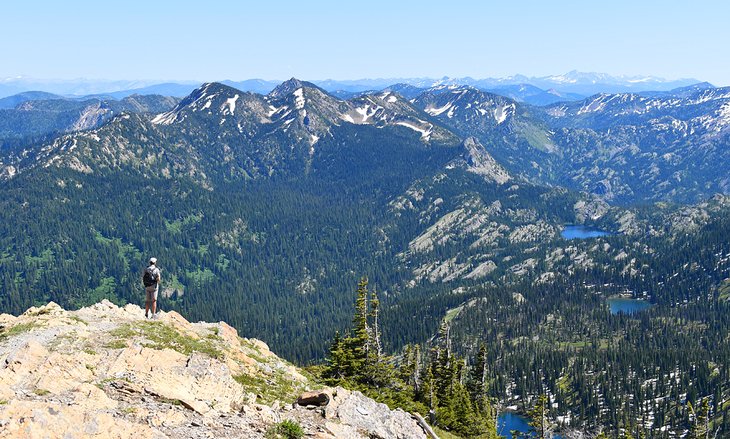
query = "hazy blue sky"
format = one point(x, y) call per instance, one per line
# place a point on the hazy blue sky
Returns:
point(318, 39)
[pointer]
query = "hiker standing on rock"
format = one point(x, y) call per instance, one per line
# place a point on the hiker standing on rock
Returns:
point(151, 279)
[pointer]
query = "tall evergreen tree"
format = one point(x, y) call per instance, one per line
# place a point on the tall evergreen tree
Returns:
point(538, 416)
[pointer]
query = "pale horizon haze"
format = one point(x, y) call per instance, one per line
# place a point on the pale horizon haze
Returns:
point(316, 40)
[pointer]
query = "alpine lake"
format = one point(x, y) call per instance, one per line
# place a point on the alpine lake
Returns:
point(627, 306)
point(510, 421)
point(572, 231)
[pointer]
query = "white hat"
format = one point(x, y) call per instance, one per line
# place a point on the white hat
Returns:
point(153, 261)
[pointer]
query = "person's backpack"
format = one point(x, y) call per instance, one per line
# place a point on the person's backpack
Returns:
point(149, 278)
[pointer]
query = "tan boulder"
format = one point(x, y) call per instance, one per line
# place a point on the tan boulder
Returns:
point(340, 431)
point(30, 355)
point(199, 382)
point(90, 397)
point(7, 320)
point(51, 309)
point(229, 334)
point(61, 373)
point(169, 418)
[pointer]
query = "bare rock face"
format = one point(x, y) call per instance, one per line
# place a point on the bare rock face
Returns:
point(354, 410)
point(106, 372)
point(351, 415)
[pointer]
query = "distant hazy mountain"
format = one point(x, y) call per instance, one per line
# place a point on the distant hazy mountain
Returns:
point(166, 89)
point(533, 95)
point(35, 116)
point(14, 100)
point(564, 87)
point(72, 87)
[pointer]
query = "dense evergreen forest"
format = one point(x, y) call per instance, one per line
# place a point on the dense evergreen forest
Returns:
point(629, 372)
point(227, 262)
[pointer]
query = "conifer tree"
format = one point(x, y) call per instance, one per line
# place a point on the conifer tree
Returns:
point(337, 361)
point(477, 384)
point(701, 420)
point(538, 416)
point(359, 341)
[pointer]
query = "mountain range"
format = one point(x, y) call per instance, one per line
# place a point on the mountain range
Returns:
point(265, 210)
point(535, 90)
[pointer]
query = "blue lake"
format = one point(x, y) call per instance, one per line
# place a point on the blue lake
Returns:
point(509, 421)
point(627, 306)
point(582, 232)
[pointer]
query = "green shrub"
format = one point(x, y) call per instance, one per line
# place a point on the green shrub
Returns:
point(286, 429)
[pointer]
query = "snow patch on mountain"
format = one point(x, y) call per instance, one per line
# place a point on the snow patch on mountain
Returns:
point(436, 111)
point(502, 112)
point(425, 132)
point(231, 104)
point(366, 112)
point(299, 100)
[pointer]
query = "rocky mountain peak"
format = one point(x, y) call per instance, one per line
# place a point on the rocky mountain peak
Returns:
point(288, 87)
point(480, 162)
point(106, 371)
point(211, 96)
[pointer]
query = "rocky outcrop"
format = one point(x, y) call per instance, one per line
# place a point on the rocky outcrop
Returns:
point(105, 371)
point(351, 415)
point(479, 161)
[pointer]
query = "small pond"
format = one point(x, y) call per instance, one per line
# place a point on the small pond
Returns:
point(510, 421)
point(627, 306)
point(571, 231)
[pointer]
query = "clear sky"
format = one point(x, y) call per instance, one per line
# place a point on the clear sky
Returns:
point(320, 39)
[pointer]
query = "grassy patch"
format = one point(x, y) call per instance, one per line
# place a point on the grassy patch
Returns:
point(443, 434)
point(452, 313)
point(201, 276)
point(119, 336)
point(116, 344)
point(126, 252)
point(107, 288)
point(564, 383)
point(272, 388)
point(164, 400)
point(222, 263)
point(17, 329)
point(41, 392)
point(724, 290)
point(214, 334)
point(79, 320)
point(158, 335)
point(161, 336)
point(177, 225)
point(46, 257)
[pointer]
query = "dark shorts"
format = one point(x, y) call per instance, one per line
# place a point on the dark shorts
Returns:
point(152, 292)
